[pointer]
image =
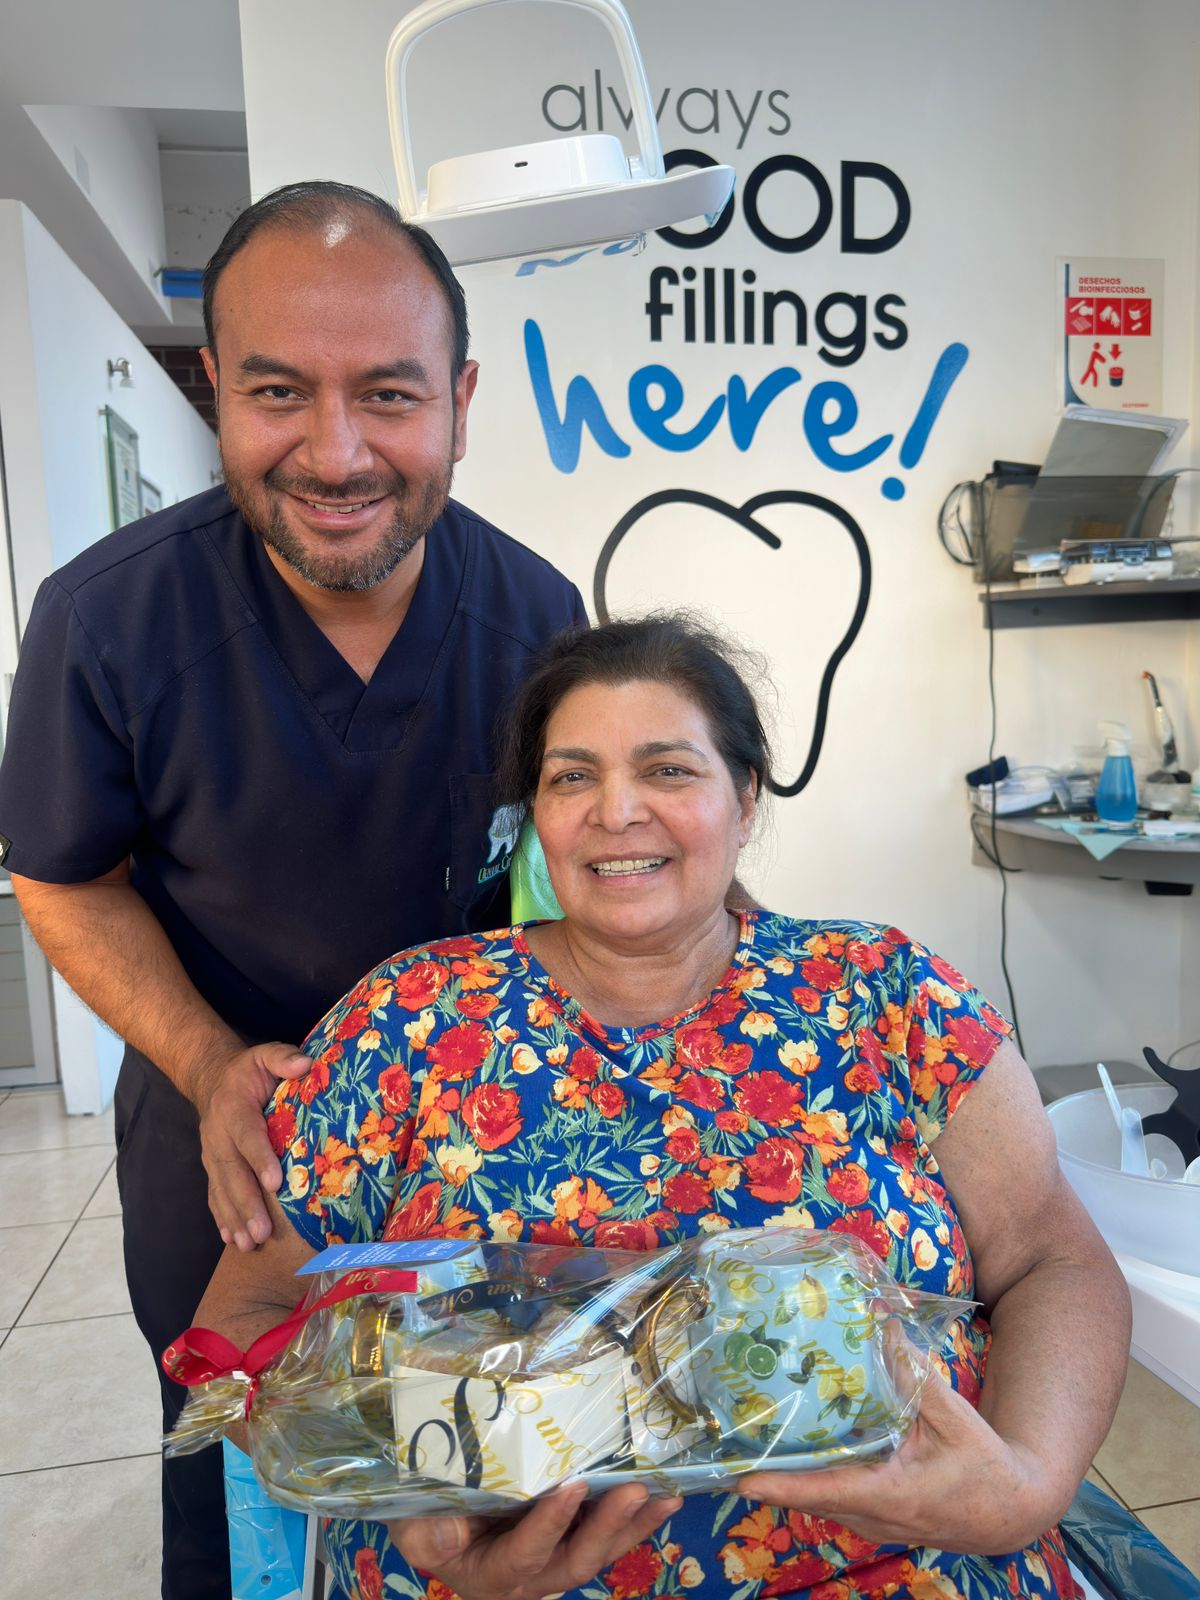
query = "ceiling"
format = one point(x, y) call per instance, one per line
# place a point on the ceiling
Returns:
point(179, 62)
point(199, 130)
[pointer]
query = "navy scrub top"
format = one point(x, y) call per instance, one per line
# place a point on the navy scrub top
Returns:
point(288, 825)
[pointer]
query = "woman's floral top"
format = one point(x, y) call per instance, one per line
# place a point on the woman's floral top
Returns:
point(459, 1092)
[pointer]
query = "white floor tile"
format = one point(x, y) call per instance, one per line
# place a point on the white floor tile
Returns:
point(73, 1392)
point(106, 1202)
point(87, 1278)
point(25, 1253)
point(90, 1531)
point(34, 1119)
point(50, 1185)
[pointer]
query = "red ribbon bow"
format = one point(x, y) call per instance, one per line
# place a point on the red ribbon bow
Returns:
point(199, 1355)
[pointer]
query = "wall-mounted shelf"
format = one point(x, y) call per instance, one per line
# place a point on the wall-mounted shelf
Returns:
point(1030, 846)
point(1053, 604)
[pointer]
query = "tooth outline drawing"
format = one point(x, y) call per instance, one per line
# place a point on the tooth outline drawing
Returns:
point(744, 515)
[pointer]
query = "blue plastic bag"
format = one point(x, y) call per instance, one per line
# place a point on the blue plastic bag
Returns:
point(267, 1542)
point(1118, 1555)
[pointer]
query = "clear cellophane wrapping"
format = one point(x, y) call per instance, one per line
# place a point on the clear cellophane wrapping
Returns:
point(512, 1367)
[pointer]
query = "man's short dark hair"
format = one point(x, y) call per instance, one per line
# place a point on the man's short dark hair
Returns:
point(311, 205)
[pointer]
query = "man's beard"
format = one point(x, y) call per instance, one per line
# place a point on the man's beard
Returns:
point(332, 570)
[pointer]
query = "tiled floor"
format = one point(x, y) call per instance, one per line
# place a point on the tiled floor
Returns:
point(1151, 1461)
point(79, 1432)
point(79, 1416)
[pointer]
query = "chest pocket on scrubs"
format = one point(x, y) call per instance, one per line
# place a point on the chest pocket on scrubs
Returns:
point(483, 837)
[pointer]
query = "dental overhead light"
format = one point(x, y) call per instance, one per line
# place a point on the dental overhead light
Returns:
point(555, 195)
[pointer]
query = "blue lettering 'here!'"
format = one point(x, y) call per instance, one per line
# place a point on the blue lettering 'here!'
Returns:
point(659, 411)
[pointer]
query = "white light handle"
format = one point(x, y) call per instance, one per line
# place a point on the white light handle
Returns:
point(424, 18)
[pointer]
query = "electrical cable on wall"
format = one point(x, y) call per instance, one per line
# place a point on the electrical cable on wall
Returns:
point(985, 848)
point(950, 523)
point(994, 855)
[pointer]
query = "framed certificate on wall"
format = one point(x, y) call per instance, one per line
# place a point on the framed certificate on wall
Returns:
point(124, 479)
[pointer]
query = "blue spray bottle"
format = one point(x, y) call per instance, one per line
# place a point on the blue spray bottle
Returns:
point(1116, 793)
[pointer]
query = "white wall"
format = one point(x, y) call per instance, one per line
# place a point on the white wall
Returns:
point(113, 155)
point(1052, 131)
point(57, 334)
point(62, 334)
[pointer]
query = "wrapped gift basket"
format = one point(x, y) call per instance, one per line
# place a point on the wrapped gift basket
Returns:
point(469, 1377)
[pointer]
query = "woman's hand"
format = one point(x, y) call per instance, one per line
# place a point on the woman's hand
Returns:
point(954, 1484)
point(555, 1545)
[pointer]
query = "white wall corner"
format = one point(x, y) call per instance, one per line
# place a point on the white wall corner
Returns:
point(112, 153)
point(25, 470)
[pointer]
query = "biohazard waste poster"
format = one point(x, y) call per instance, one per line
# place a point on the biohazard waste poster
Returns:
point(1111, 333)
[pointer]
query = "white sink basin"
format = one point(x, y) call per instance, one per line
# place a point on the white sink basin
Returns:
point(1150, 1218)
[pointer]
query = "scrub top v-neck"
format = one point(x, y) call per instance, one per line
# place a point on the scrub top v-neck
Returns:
point(363, 716)
point(288, 825)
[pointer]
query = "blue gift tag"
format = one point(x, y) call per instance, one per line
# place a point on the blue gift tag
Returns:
point(400, 1253)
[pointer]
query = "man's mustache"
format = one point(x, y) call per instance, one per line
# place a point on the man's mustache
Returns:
point(364, 487)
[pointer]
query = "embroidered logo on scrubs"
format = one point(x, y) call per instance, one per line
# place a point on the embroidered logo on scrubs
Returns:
point(503, 832)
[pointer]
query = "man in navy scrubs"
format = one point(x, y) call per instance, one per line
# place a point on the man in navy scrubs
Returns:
point(249, 745)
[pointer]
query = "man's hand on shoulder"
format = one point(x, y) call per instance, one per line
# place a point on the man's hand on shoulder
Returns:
point(230, 1093)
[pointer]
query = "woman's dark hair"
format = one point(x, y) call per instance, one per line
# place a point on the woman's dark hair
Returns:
point(666, 647)
point(301, 207)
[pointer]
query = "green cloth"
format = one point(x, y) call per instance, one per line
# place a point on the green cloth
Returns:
point(1095, 838)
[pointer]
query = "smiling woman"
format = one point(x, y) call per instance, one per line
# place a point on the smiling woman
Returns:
point(641, 754)
point(653, 1067)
